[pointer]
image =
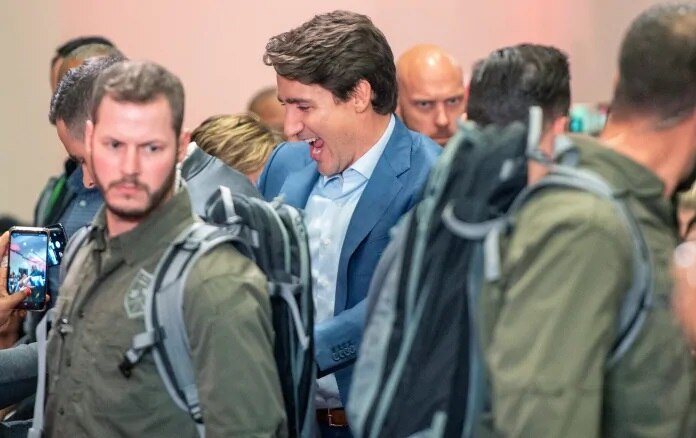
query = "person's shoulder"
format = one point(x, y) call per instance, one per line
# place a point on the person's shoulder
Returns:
point(424, 153)
point(224, 261)
point(222, 282)
point(425, 146)
point(558, 209)
point(287, 158)
point(291, 154)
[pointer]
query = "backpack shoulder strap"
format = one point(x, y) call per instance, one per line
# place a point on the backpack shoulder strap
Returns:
point(165, 333)
point(76, 242)
point(639, 297)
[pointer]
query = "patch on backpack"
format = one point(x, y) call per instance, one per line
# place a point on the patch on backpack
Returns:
point(137, 295)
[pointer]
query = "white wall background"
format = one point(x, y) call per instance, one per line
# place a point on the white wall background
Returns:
point(216, 46)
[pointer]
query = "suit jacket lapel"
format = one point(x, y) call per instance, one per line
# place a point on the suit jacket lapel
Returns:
point(298, 186)
point(381, 189)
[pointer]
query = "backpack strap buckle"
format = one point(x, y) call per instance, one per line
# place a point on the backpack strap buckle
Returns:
point(141, 343)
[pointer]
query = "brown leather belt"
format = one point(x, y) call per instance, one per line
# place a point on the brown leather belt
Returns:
point(332, 417)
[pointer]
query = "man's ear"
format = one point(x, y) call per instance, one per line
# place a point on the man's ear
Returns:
point(560, 125)
point(362, 96)
point(184, 140)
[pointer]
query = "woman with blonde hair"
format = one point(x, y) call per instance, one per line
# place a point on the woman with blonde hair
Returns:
point(242, 141)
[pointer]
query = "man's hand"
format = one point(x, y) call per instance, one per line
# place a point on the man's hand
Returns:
point(7, 302)
point(684, 298)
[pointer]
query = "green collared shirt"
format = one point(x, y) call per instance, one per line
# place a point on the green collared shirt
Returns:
point(100, 309)
point(550, 322)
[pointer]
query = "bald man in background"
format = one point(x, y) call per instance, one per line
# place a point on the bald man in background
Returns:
point(80, 54)
point(266, 105)
point(432, 96)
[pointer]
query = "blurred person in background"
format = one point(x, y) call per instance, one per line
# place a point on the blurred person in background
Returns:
point(265, 104)
point(85, 52)
point(56, 196)
point(432, 95)
point(64, 50)
point(242, 141)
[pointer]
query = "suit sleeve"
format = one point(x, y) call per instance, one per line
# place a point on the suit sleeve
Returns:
point(566, 276)
point(337, 340)
point(228, 319)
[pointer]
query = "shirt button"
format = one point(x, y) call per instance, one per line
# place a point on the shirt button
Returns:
point(68, 362)
point(83, 203)
point(81, 314)
point(61, 411)
point(325, 242)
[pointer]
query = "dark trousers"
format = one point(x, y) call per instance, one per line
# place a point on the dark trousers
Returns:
point(326, 431)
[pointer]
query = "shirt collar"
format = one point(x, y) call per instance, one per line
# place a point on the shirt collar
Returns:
point(366, 164)
point(620, 171)
point(157, 230)
point(75, 182)
point(625, 175)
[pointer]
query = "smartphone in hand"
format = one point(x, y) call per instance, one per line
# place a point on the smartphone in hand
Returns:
point(56, 244)
point(26, 270)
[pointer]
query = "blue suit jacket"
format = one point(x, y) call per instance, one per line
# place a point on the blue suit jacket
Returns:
point(394, 187)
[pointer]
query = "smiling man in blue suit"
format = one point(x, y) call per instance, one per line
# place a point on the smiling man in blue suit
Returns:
point(355, 171)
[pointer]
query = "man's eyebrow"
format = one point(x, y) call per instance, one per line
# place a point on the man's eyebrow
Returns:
point(294, 100)
point(155, 141)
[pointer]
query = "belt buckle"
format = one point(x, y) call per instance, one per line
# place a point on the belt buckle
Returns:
point(330, 416)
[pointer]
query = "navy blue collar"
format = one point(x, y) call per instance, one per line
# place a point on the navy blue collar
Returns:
point(75, 182)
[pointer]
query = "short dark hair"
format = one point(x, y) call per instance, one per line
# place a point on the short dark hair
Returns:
point(64, 49)
point(336, 50)
point(140, 82)
point(510, 80)
point(657, 65)
point(72, 98)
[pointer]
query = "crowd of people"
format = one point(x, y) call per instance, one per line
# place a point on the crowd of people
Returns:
point(349, 136)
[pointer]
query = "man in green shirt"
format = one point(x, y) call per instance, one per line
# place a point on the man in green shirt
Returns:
point(550, 322)
point(133, 143)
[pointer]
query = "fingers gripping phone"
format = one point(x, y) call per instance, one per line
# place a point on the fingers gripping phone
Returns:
point(26, 270)
point(56, 244)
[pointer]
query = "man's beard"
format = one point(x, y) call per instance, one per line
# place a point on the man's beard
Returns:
point(154, 199)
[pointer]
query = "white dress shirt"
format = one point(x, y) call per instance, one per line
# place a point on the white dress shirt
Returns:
point(327, 214)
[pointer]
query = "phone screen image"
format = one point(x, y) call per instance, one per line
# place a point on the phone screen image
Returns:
point(56, 244)
point(26, 271)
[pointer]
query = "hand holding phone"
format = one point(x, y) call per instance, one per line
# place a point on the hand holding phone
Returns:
point(8, 303)
point(26, 270)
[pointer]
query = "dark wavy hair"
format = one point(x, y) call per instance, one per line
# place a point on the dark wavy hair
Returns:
point(336, 50)
point(510, 80)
